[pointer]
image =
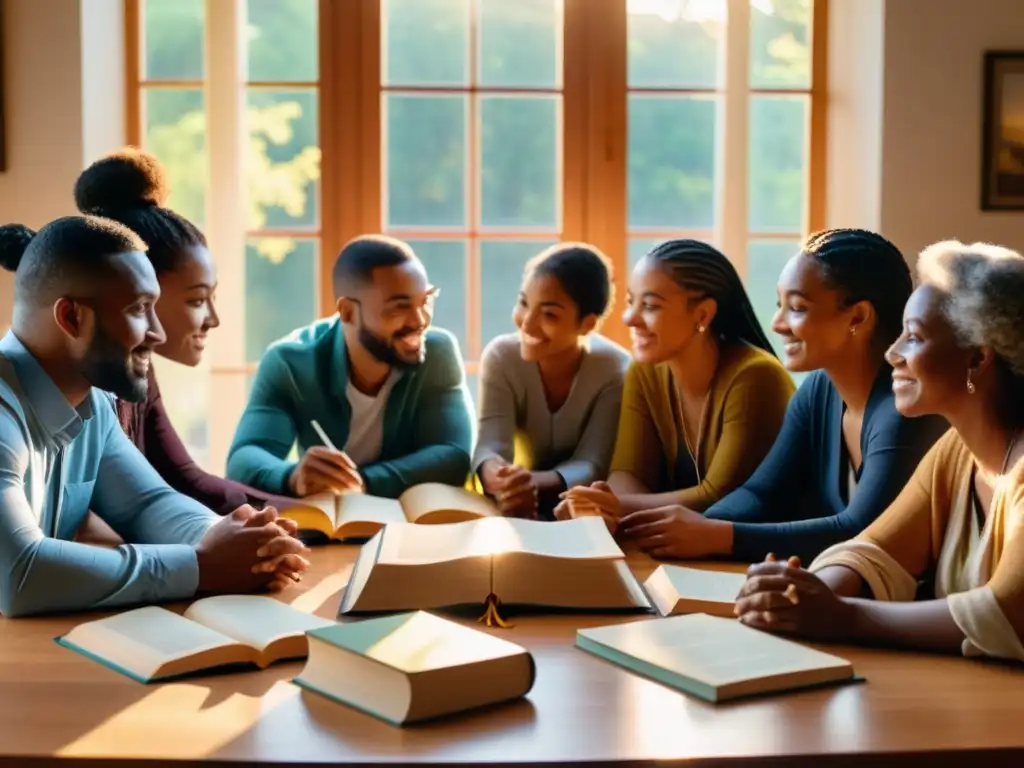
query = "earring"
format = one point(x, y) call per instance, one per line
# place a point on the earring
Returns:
point(700, 328)
point(853, 330)
point(970, 384)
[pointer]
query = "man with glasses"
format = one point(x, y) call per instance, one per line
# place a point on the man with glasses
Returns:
point(375, 398)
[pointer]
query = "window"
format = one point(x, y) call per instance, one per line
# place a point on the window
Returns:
point(169, 63)
point(471, 163)
point(480, 131)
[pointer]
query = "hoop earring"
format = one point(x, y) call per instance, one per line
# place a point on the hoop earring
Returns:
point(971, 389)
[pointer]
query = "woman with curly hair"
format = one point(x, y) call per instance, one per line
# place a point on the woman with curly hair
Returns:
point(957, 523)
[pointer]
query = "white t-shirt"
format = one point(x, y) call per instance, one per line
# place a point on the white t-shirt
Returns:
point(366, 428)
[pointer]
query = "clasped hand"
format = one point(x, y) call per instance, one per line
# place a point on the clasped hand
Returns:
point(783, 597)
point(512, 487)
point(249, 550)
point(664, 532)
point(596, 499)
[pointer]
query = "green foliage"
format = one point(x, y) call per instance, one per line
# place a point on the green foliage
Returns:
point(672, 142)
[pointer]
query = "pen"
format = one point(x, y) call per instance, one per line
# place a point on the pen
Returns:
point(323, 435)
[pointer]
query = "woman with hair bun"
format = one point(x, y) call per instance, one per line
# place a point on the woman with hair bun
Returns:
point(844, 452)
point(550, 393)
point(130, 187)
point(958, 522)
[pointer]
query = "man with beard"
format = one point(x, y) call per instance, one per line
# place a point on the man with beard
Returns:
point(376, 399)
point(83, 321)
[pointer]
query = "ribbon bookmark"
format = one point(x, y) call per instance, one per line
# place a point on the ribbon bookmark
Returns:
point(492, 616)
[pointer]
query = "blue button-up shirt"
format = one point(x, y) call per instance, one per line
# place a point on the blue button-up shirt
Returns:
point(56, 463)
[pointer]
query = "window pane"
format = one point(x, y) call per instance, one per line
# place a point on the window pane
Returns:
point(174, 121)
point(426, 42)
point(778, 163)
point(672, 161)
point(185, 393)
point(674, 43)
point(280, 290)
point(172, 39)
point(519, 43)
point(780, 50)
point(501, 276)
point(284, 158)
point(473, 385)
point(638, 248)
point(445, 262)
point(426, 160)
point(283, 43)
point(765, 260)
point(519, 138)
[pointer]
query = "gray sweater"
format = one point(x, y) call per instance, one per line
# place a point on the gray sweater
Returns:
point(577, 440)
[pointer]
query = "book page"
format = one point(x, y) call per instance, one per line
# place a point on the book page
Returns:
point(254, 620)
point(711, 650)
point(412, 544)
point(580, 538)
point(144, 639)
point(444, 504)
point(313, 513)
point(361, 507)
point(694, 590)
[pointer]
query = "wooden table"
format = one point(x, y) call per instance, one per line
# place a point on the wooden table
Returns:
point(57, 707)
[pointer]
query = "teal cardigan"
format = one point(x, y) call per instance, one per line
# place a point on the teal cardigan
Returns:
point(428, 421)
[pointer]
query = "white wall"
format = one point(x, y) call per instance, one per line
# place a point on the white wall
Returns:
point(933, 119)
point(914, 68)
point(59, 115)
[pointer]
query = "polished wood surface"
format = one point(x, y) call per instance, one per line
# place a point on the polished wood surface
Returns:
point(56, 707)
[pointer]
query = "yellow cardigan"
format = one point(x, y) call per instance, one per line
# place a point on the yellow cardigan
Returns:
point(748, 400)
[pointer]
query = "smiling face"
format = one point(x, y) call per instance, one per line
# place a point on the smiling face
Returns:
point(816, 326)
point(186, 307)
point(393, 312)
point(116, 353)
point(663, 318)
point(548, 319)
point(929, 367)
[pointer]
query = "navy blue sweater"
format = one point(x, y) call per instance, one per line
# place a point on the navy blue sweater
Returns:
point(795, 502)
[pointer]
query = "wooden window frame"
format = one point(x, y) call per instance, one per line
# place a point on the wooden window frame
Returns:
point(593, 145)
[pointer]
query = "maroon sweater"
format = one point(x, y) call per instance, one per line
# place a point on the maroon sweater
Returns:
point(148, 426)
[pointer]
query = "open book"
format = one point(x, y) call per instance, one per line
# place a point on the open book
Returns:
point(360, 516)
point(565, 564)
point(154, 643)
point(414, 666)
point(713, 658)
point(675, 589)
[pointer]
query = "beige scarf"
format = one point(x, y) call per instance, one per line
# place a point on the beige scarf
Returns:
point(961, 574)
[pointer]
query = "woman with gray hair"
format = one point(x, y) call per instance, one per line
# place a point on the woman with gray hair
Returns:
point(958, 522)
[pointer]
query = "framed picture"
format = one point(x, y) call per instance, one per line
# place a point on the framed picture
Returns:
point(1002, 161)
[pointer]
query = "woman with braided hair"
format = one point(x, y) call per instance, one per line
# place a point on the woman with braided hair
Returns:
point(704, 397)
point(957, 523)
point(844, 452)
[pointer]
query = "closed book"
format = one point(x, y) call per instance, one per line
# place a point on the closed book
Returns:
point(414, 666)
point(713, 658)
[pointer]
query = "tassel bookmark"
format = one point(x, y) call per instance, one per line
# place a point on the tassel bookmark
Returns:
point(492, 616)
